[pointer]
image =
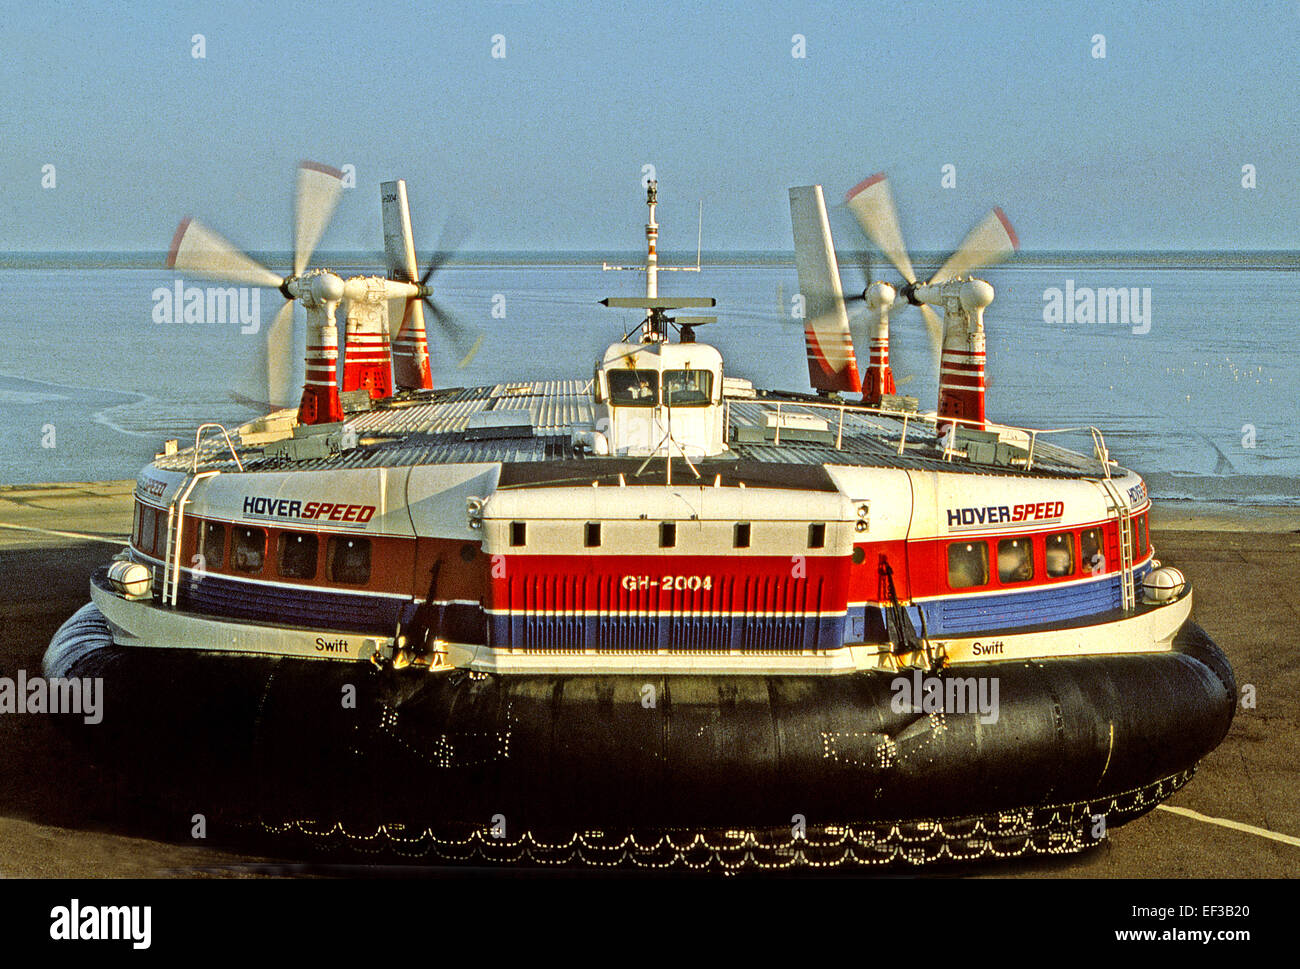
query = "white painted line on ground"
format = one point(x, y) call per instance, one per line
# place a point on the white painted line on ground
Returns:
point(51, 531)
point(1286, 839)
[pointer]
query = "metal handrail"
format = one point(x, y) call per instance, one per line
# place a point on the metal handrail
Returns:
point(194, 466)
point(1102, 454)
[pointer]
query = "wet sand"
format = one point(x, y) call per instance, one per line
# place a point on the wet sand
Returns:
point(60, 817)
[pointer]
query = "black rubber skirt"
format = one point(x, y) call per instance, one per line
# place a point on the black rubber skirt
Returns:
point(284, 739)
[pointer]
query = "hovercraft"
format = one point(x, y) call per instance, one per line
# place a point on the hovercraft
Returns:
point(656, 617)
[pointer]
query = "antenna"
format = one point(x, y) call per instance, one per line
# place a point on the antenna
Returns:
point(699, 238)
point(655, 322)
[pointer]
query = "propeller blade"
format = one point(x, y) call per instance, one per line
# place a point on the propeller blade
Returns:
point(197, 249)
point(280, 359)
point(454, 234)
point(270, 385)
point(464, 340)
point(872, 204)
point(319, 188)
point(989, 242)
point(934, 327)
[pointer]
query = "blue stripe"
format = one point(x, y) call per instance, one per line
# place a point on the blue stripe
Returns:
point(968, 615)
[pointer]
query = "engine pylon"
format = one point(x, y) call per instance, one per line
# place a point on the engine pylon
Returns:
point(879, 377)
point(961, 366)
point(367, 358)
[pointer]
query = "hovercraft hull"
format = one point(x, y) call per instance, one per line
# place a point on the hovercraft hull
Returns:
point(354, 747)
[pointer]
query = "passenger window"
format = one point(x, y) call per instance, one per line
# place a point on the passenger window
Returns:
point(148, 526)
point(518, 534)
point(212, 545)
point(1060, 554)
point(817, 535)
point(968, 564)
point(248, 549)
point(298, 555)
point(1015, 560)
point(667, 534)
point(591, 536)
point(740, 537)
point(1090, 554)
point(349, 560)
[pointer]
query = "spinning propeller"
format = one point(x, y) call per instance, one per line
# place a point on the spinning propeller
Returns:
point(872, 204)
point(402, 266)
point(199, 250)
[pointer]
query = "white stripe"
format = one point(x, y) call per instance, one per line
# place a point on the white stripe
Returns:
point(1286, 839)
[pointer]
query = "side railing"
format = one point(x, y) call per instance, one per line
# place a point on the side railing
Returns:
point(950, 443)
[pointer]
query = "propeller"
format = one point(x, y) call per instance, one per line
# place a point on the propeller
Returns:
point(872, 204)
point(463, 339)
point(990, 242)
point(201, 251)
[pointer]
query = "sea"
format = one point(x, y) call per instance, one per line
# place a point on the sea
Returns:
point(1196, 386)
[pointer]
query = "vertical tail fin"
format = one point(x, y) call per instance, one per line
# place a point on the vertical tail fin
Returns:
point(410, 347)
point(832, 364)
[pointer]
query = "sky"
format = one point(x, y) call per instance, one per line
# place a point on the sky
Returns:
point(544, 148)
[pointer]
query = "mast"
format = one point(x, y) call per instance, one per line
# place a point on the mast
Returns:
point(651, 241)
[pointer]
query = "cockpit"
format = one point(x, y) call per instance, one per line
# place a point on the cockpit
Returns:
point(659, 398)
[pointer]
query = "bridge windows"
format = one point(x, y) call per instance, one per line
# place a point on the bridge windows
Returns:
point(1141, 552)
point(1060, 554)
point(633, 388)
point(298, 555)
point(688, 388)
point(1015, 559)
point(968, 564)
point(248, 549)
point(349, 560)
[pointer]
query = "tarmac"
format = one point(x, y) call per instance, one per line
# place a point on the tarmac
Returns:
point(1239, 817)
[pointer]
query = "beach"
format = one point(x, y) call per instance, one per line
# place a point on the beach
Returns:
point(59, 818)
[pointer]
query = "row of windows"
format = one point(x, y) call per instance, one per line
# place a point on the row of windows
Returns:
point(640, 388)
point(296, 554)
point(741, 535)
point(1064, 554)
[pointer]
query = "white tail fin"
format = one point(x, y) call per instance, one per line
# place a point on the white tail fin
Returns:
point(832, 364)
point(410, 345)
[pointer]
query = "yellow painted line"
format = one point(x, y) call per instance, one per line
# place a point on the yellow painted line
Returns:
point(1286, 839)
point(82, 535)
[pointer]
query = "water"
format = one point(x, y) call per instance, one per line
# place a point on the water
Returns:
point(1204, 404)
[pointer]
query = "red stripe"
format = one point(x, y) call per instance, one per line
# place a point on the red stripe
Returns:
point(1006, 224)
point(863, 185)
